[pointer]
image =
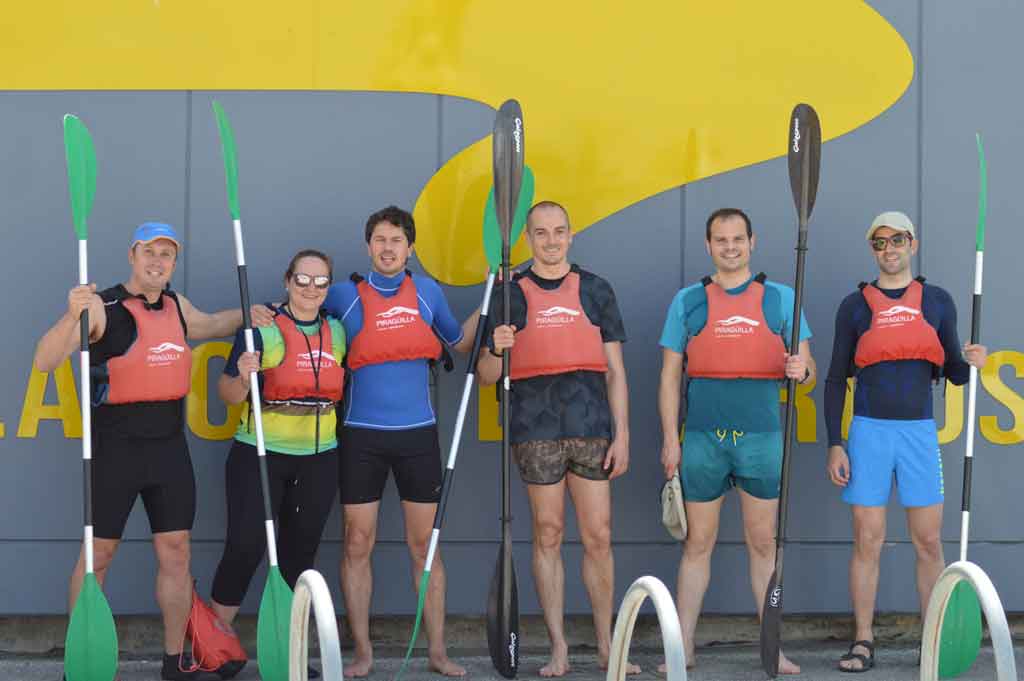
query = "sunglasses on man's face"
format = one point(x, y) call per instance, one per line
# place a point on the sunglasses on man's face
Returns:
point(301, 280)
point(879, 243)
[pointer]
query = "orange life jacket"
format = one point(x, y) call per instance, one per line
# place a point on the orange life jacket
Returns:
point(157, 367)
point(898, 329)
point(393, 329)
point(309, 370)
point(736, 341)
point(558, 337)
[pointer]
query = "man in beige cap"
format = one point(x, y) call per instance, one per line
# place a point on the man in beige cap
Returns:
point(897, 335)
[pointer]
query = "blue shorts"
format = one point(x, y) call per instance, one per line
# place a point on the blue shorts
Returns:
point(880, 448)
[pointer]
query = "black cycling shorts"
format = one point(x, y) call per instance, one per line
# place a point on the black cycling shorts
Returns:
point(160, 470)
point(366, 456)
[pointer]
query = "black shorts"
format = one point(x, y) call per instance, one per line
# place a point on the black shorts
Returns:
point(365, 457)
point(160, 470)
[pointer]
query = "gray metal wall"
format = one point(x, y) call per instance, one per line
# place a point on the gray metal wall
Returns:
point(308, 180)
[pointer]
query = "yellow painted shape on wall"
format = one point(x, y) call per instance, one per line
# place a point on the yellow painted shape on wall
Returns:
point(620, 101)
point(851, 385)
point(954, 418)
point(806, 411)
point(197, 403)
point(488, 427)
point(67, 410)
point(158, 45)
point(992, 381)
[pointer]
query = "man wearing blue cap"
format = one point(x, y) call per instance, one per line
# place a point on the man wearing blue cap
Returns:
point(141, 372)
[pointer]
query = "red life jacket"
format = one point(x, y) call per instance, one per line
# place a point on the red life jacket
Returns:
point(393, 329)
point(559, 337)
point(309, 370)
point(898, 329)
point(736, 341)
point(157, 367)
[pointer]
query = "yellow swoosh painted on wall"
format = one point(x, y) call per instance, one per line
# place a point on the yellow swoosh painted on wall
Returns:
point(621, 100)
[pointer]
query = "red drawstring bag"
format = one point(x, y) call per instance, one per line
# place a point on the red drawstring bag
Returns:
point(214, 647)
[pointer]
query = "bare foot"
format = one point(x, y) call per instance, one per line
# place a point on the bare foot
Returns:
point(440, 663)
point(630, 667)
point(691, 662)
point(787, 666)
point(361, 666)
point(559, 663)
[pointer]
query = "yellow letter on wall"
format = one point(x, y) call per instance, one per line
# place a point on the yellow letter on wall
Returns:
point(67, 409)
point(851, 385)
point(994, 384)
point(197, 401)
point(488, 428)
point(806, 412)
point(954, 414)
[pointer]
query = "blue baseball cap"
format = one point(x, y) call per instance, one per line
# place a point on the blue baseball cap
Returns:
point(151, 231)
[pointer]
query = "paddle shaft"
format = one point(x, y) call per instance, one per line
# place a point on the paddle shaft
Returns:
point(254, 395)
point(972, 392)
point(508, 172)
point(449, 471)
point(794, 349)
point(453, 451)
point(506, 388)
point(979, 268)
point(83, 370)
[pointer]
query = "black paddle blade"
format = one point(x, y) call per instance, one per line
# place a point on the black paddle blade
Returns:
point(771, 627)
point(508, 149)
point(503, 624)
point(804, 151)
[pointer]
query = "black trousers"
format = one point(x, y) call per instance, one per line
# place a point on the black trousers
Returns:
point(302, 490)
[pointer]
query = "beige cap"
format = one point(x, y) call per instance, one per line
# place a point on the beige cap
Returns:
point(673, 512)
point(894, 220)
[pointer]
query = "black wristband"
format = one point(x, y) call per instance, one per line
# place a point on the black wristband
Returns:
point(807, 375)
point(499, 355)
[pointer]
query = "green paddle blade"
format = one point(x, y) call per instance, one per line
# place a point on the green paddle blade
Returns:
point(272, 628)
point(90, 650)
point(492, 231)
point(960, 639)
point(81, 160)
point(227, 145)
point(424, 583)
point(979, 238)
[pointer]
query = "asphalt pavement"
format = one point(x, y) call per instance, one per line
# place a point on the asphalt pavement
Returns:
point(894, 662)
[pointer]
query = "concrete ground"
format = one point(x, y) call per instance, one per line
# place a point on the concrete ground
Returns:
point(894, 662)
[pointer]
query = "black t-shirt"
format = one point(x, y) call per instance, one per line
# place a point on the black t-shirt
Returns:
point(573, 404)
point(146, 420)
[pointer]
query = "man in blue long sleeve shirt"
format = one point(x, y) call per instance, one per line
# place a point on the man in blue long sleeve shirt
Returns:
point(897, 335)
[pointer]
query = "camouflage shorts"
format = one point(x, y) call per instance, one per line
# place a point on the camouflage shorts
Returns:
point(545, 462)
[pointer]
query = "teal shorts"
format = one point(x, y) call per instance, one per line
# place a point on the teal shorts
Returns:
point(716, 460)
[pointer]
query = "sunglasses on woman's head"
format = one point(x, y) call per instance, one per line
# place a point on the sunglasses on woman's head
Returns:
point(879, 243)
point(304, 280)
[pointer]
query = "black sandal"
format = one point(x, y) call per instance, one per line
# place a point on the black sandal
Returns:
point(866, 661)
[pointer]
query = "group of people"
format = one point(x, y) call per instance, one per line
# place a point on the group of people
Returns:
point(364, 346)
